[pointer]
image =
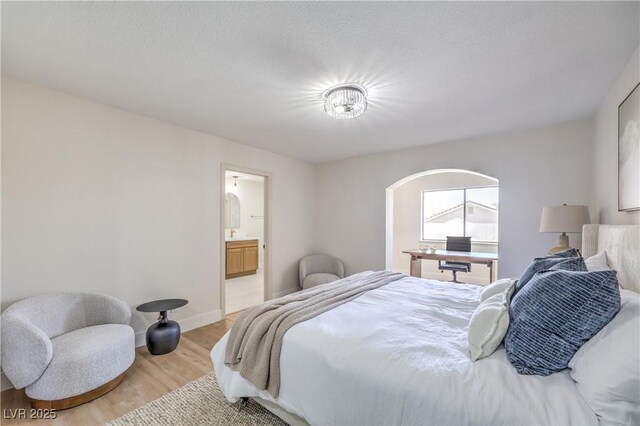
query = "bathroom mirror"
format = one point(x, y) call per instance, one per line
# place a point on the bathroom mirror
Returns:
point(232, 211)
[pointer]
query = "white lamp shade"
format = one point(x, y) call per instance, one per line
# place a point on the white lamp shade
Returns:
point(564, 218)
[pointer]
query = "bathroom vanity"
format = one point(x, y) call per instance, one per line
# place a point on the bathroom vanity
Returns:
point(241, 257)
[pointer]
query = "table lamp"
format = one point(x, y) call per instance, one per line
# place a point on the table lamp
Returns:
point(563, 219)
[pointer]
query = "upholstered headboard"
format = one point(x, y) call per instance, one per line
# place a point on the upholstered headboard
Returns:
point(622, 244)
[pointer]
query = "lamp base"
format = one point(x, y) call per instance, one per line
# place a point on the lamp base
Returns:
point(563, 244)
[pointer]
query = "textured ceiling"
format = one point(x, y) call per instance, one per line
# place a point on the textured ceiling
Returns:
point(254, 72)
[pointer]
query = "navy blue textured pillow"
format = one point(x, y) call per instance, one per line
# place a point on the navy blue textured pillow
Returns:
point(566, 253)
point(575, 264)
point(553, 316)
point(539, 264)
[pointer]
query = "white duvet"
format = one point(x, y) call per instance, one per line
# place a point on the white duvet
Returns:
point(399, 355)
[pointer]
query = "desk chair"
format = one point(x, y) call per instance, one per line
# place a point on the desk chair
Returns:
point(456, 244)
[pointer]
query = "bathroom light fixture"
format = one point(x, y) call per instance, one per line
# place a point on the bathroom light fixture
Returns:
point(234, 188)
point(345, 101)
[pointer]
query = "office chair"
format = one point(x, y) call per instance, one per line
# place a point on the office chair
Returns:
point(456, 244)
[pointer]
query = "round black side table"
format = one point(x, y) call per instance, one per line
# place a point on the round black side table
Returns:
point(163, 336)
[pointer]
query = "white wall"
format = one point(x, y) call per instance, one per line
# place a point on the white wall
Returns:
point(251, 196)
point(545, 166)
point(406, 224)
point(606, 147)
point(97, 199)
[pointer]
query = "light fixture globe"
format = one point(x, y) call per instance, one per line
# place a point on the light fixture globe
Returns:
point(345, 101)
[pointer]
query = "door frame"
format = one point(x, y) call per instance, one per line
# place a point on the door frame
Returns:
point(226, 167)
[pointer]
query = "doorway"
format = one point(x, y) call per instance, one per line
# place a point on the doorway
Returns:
point(244, 226)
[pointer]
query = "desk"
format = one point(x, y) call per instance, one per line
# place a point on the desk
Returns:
point(451, 256)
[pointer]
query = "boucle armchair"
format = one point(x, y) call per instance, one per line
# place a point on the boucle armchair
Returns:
point(319, 269)
point(68, 348)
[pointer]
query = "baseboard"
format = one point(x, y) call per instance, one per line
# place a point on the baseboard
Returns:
point(285, 292)
point(187, 324)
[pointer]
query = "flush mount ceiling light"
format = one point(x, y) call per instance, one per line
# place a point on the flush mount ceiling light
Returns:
point(345, 101)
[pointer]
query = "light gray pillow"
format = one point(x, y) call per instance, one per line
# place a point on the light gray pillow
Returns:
point(606, 369)
point(497, 287)
point(598, 262)
point(489, 324)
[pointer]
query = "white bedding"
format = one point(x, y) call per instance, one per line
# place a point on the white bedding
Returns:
point(398, 355)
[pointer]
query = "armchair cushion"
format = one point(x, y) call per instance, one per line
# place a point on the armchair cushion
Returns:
point(84, 360)
point(317, 279)
point(26, 351)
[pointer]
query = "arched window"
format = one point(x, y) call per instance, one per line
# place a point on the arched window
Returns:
point(425, 208)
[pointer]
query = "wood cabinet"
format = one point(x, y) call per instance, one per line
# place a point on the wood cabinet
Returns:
point(234, 261)
point(241, 258)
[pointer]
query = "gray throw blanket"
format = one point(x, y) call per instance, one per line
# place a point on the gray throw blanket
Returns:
point(255, 341)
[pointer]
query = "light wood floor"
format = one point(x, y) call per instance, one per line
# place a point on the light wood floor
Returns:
point(147, 379)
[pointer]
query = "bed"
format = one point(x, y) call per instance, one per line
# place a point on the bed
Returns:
point(399, 355)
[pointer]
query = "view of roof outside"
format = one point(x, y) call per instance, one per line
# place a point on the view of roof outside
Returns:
point(443, 214)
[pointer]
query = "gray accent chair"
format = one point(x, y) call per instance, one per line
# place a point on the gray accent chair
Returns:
point(319, 269)
point(60, 346)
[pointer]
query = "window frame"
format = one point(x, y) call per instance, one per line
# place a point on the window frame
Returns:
point(464, 213)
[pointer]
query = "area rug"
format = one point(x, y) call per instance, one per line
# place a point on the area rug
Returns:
point(198, 403)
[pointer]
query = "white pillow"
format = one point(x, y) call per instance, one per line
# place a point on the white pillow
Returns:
point(598, 262)
point(497, 287)
point(488, 325)
point(607, 368)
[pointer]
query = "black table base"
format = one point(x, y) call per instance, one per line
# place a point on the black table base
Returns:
point(163, 336)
